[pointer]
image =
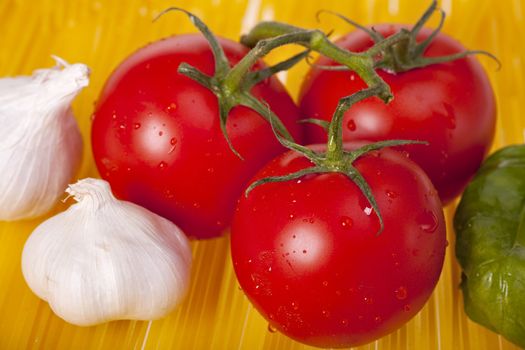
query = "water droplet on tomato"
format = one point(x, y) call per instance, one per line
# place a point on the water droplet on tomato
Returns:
point(304, 251)
point(311, 220)
point(114, 115)
point(325, 283)
point(136, 126)
point(391, 194)
point(450, 116)
point(325, 313)
point(161, 133)
point(368, 300)
point(378, 319)
point(173, 141)
point(346, 222)
point(344, 322)
point(406, 307)
point(401, 293)
point(162, 165)
point(171, 107)
point(365, 205)
point(271, 328)
point(446, 243)
point(351, 125)
point(352, 77)
point(211, 170)
point(427, 221)
point(122, 126)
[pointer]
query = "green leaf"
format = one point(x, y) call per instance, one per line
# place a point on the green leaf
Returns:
point(489, 226)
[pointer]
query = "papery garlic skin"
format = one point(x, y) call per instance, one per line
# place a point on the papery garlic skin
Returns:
point(104, 259)
point(40, 142)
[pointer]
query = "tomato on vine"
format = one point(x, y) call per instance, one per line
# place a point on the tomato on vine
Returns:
point(337, 248)
point(441, 95)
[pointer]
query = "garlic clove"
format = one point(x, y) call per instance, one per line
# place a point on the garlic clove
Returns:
point(40, 142)
point(104, 259)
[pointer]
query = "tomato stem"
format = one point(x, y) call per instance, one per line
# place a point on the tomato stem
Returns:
point(362, 63)
point(232, 86)
point(335, 130)
point(234, 78)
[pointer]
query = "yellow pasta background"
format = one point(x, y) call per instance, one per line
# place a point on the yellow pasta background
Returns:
point(215, 313)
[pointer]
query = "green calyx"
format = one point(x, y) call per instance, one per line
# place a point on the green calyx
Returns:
point(407, 54)
point(336, 159)
point(232, 85)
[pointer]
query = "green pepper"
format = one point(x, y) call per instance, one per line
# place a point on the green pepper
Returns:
point(490, 244)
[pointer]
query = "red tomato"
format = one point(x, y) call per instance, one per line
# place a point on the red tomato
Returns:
point(157, 140)
point(450, 105)
point(307, 254)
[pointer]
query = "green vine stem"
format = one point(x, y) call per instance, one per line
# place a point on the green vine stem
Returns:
point(232, 85)
point(266, 36)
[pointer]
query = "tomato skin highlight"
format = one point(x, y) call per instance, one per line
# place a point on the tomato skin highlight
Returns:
point(156, 135)
point(450, 105)
point(307, 254)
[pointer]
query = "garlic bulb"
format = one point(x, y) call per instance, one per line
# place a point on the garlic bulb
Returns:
point(40, 143)
point(105, 259)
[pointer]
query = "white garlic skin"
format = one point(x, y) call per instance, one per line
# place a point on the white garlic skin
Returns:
point(104, 259)
point(40, 142)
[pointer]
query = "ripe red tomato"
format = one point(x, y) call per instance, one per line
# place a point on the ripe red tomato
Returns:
point(157, 140)
point(450, 105)
point(307, 254)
